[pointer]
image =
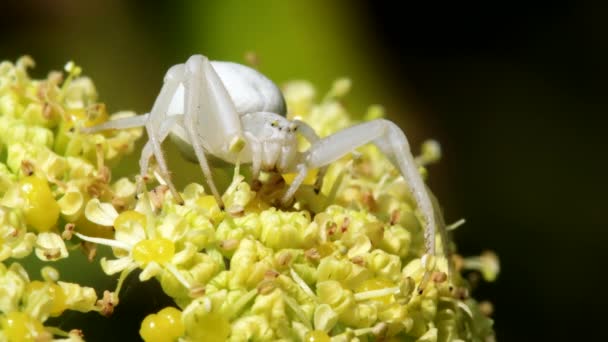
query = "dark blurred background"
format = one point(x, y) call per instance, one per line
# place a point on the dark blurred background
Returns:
point(514, 91)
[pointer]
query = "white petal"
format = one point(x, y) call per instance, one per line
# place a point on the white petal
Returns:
point(79, 298)
point(115, 265)
point(71, 203)
point(325, 318)
point(193, 191)
point(151, 270)
point(130, 233)
point(362, 246)
point(50, 247)
point(12, 198)
point(101, 213)
point(124, 188)
point(185, 255)
point(25, 246)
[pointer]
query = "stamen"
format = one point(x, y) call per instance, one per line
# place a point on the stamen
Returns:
point(376, 330)
point(464, 308)
point(455, 224)
point(57, 331)
point(240, 304)
point(376, 293)
point(159, 178)
point(296, 277)
point(106, 242)
point(171, 268)
point(297, 309)
point(207, 303)
point(424, 282)
point(123, 276)
point(380, 187)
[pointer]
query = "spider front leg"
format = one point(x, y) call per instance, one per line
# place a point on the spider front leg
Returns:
point(391, 140)
point(123, 123)
point(153, 147)
point(158, 123)
point(211, 121)
point(312, 137)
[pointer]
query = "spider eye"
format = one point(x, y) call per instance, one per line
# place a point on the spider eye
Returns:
point(274, 124)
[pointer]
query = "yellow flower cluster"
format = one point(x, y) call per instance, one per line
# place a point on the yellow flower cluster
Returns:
point(25, 305)
point(340, 265)
point(48, 172)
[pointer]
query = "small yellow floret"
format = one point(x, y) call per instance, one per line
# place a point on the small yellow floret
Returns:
point(59, 300)
point(19, 326)
point(326, 249)
point(165, 326)
point(157, 250)
point(210, 207)
point(211, 327)
point(88, 117)
point(41, 210)
point(316, 336)
point(310, 179)
point(58, 304)
point(129, 217)
point(174, 317)
point(256, 206)
point(377, 284)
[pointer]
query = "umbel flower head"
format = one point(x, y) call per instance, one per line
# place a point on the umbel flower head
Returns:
point(25, 305)
point(340, 265)
point(48, 172)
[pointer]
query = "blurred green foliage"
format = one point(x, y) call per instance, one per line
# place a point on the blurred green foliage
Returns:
point(316, 40)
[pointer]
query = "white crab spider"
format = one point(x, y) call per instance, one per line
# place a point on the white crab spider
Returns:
point(235, 114)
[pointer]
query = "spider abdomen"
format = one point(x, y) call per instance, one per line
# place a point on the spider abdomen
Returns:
point(250, 90)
